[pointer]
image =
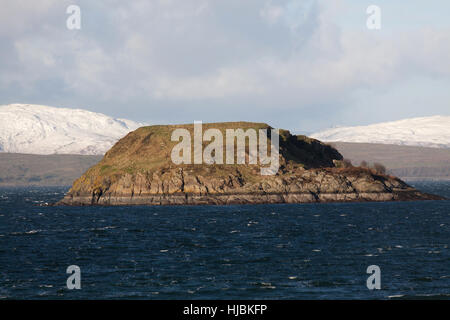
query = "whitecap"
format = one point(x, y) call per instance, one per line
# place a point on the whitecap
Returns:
point(33, 231)
point(267, 285)
point(396, 296)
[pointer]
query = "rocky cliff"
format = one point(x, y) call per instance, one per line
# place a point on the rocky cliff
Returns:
point(138, 171)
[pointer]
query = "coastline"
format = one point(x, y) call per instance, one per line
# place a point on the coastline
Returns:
point(245, 198)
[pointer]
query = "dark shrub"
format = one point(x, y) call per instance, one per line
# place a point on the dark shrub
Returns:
point(379, 168)
point(347, 163)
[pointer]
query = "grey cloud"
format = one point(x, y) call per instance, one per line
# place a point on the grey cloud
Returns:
point(284, 62)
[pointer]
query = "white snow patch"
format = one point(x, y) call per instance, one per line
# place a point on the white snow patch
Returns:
point(426, 132)
point(37, 129)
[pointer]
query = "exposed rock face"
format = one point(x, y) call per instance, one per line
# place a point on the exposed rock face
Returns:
point(138, 171)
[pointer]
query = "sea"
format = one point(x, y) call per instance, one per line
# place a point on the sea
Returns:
point(283, 251)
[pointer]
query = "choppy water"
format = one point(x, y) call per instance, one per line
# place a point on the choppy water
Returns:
point(304, 251)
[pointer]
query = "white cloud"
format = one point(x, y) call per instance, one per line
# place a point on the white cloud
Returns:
point(290, 55)
point(221, 84)
point(271, 13)
point(20, 16)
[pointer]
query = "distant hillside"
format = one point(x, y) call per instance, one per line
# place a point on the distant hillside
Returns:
point(35, 129)
point(425, 132)
point(42, 170)
point(406, 162)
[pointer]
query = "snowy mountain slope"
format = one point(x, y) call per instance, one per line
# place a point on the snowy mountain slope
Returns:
point(427, 132)
point(40, 129)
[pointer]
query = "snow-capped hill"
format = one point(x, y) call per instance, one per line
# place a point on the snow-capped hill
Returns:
point(37, 129)
point(426, 132)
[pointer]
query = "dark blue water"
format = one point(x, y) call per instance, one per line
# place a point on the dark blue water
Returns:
point(305, 251)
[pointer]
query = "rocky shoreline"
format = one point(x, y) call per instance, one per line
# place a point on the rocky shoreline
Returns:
point(302, 186)
point(234, 199)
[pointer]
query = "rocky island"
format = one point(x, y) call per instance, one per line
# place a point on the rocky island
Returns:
point(138, 170)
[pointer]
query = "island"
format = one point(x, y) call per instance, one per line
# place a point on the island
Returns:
point(139, 170)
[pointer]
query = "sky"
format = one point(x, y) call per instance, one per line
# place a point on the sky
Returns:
point(303, 65)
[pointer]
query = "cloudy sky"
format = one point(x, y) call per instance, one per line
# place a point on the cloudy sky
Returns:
point(303, 65)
